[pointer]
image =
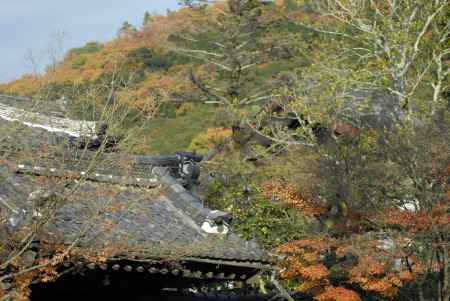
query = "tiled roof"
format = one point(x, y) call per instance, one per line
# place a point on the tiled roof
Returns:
point(134, 222)
point(122, 207)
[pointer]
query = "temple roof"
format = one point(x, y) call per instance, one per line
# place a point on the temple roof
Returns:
point(118, 206)
point(126, 221)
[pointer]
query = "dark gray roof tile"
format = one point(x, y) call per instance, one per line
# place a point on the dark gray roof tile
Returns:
point(102, 210)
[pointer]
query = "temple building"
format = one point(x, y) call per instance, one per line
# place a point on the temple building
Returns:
point(98, 223)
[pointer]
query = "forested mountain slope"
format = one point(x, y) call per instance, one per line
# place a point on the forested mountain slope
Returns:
point(147, 73)
point(326, 124)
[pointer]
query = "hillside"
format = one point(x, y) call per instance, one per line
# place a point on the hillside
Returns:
point(325, 125)
point(147, 73)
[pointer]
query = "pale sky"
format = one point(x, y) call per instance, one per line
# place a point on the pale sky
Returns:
point(32, 31)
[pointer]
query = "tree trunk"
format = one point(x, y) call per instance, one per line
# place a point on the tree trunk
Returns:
point(445, 276)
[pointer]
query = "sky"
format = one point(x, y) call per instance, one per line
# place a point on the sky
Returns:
point(34, 32)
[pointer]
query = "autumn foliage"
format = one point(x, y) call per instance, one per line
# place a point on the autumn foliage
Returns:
point(331, 269)
point(420, 221)
point(363, 240)
point(360, 264)
point(206, 141)
point(95, 62)
point(338, 294)
point(289, 195)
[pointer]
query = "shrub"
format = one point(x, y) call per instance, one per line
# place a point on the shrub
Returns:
point(90, 47)
point(184, 109)
point(206, 141)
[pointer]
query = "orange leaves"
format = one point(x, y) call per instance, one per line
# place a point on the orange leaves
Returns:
point(315, 272)
point(164, 82)
point(218, 135)
point(419, 221)
point(346, 129)
point(411, 221)
point(406, 276)
point(298, 247)
point(86, 64)
point(48, 274)
point(311, 257)
point(292, 268)
point(295, 268)
point(323, 267)
point(368, 266)
point(303, 263)
point(338, 294)
point(287, 194)
point(21, 287)
point(23, 86)
point(446, 173)
point(385, 287)
point(372, 276)
point(441, 214)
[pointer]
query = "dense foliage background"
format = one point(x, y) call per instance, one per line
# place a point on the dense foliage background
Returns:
point(326, 125)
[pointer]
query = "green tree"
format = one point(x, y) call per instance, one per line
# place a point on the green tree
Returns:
point(126, 29)
point(147, 18)
point(242, 49)
point(232, 45)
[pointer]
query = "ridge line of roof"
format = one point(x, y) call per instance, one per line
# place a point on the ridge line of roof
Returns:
point(143, 182)
point(74, 128)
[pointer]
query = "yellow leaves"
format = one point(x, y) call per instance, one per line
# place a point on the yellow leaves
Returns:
point(184, 109)
point(206, 141)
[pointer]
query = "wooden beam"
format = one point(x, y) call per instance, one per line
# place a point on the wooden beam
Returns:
point(244, 264)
